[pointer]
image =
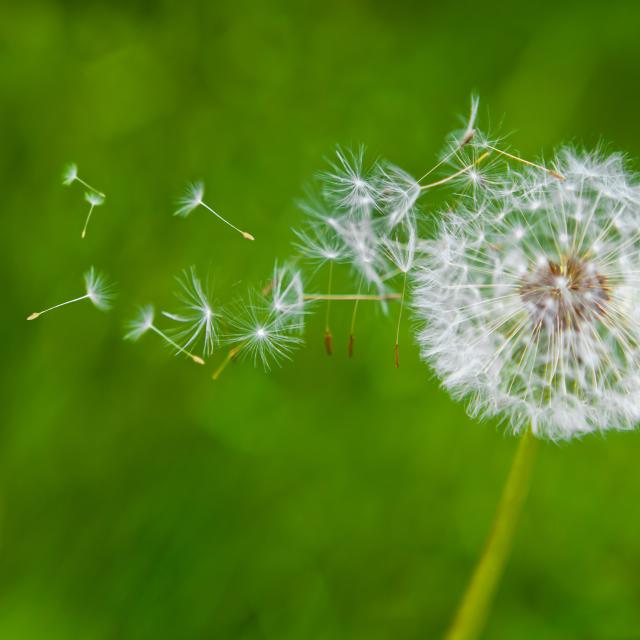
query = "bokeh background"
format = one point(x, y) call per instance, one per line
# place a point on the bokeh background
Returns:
point(332, 498)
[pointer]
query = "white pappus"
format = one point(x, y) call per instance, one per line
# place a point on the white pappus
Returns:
point(532, 300)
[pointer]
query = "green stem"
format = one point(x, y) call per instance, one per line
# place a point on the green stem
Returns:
point(352, 330)
point(396, 347)
point(232, 353)
point(328, 311)
point(476, 602)
point(328, 337)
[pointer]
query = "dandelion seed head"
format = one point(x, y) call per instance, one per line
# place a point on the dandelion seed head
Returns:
point(98, 289)
point(141, 323)
point(397, 193)
point(191, 200)
point(198, 322)
point(467, 131)
point(259, 334)
point(287, 296)
point(319, 243)
point(93, 198)
point(400, 247)
point(346, 183)
point(364, 249)
point(70, 174)
point(556, 345)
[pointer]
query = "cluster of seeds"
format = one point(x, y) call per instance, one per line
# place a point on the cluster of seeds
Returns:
point(531, 298)
point(527, 293)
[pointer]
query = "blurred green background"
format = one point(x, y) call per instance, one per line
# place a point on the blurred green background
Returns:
point(331, 499)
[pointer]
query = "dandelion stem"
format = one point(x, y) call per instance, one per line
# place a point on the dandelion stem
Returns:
point(244, 234)
point(453, 176)
point(86, 222)
point(36, 314)
point(351, 297)
point(555, 174)
point(466, 140)
point(404, 288)
point(476, 602)
point(328, 337)
point(232, 353)
point(88, 186)
point(179, 349)
point(352, 337)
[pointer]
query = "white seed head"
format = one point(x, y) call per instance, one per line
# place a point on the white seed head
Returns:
point(364, 250)
point(523, 318)
point(480, 171)
point(142, 322)
point(287, 297)
point(319, 243)
point(400, 247)
point(198, 319)
point(260, 335)
point(347, 184)
point(70, 174)
point(397, 193)
point(98, 289)
point(191, 200)
point(93, 198)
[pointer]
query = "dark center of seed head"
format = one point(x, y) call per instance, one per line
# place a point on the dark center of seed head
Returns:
point(565, 294)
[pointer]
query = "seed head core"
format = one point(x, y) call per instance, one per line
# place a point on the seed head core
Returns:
point(565, 294)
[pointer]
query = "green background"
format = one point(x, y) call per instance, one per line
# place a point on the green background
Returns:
point(332, 498)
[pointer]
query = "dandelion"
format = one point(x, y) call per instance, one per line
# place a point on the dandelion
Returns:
point(363, 244)
point(470, 130)
point(287, 296)
point(532, 306)
point(200, 323)
point(398, 193)
point(319, 243)
point(94, 200)
point(144, 322)
point(472, 171)
point(259, 335)
point(98, 291)
point(322, 244)
point(460, 138)
point(401, 250)
point(532, 303)
point(347, 184)
point(70, 175)
point(194, 199)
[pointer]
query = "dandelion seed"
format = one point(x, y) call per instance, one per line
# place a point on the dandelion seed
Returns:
point(458, 139)
point(258, 334)
point(347, 184)
point(364, 251)
point(319, 243)
point(400, 247)
point(194, 199)
point(398, 192)
point(199, 321)
point(470, 130)
point(322, 244)
point(70, 175)
point(401, 250)
point(144, 322)
point(94, 200)
point(537, 327)
point(287, 296)
point(97, 290)
point(474, 174)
